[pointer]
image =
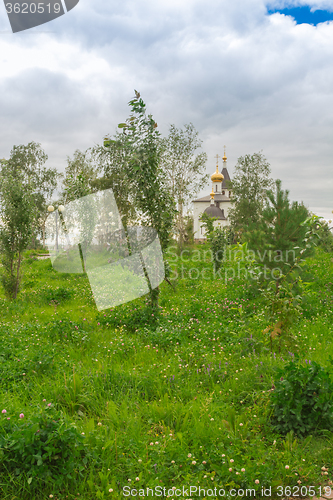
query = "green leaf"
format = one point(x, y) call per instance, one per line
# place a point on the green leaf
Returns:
point(29, 480)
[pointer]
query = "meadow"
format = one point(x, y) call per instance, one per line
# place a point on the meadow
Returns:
point(96, 404)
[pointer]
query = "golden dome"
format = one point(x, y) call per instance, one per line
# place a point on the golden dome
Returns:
point(217, 177)
point(212, 194)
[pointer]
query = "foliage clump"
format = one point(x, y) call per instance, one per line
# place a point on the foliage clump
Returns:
point(218, 239)
point(250, 183)
point(326, 237)
point(17, 214)
point(302, 400)
point(59, 294)
point(43, 446)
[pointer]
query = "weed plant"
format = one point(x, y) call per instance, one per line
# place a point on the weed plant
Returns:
point(303, 398)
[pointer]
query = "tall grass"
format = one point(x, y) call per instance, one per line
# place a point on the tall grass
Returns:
point(171, 401)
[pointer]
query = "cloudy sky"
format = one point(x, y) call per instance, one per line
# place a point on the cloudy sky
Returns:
point(245, 77)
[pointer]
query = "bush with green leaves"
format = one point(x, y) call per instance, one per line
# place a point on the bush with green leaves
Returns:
point(326, 237)
point(126, 315)
point(58, 295)
point(302, 400)
point(43, 447)
point(218, 239)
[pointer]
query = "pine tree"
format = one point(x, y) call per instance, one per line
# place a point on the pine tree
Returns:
point(278, 237)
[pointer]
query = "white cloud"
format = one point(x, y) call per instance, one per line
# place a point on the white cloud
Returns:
point(289, 4)
point(243, 78)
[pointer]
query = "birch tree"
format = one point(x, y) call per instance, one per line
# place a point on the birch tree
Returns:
point(250, 184)
point(17, 214)
point(184, 169)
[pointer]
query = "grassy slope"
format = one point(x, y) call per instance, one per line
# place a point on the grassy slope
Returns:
point(162, 390)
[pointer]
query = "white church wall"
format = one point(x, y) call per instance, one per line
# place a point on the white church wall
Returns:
point(198, 209)
point(221, 223)
point(226, 207)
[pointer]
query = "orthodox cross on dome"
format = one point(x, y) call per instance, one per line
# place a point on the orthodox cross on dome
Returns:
point(224, 157)
point(217, 159)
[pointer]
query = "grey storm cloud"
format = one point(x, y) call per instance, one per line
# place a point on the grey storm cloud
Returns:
point(46, 107)
point(243, 78)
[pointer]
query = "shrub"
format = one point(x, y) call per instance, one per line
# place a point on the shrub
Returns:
point(59, 294)
point(326, 237)
point(302, 399)
point(43, 446)
point(127, 316)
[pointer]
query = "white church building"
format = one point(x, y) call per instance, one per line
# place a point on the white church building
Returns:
point(217, 204)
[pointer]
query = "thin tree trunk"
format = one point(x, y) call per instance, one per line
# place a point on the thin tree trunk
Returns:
point(153, 292)
point(17, 275)
point(181, 223)
point(82, 259)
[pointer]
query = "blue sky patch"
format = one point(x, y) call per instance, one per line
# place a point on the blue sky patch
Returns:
point(304, 15)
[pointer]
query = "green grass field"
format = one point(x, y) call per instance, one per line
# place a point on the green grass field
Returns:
point(93, 402)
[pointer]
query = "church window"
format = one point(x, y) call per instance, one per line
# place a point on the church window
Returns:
point(215, 188)
point(223, 192)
